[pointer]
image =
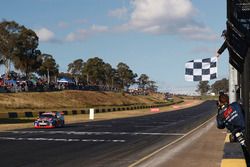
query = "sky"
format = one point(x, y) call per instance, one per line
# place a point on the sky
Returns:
point(153, 37)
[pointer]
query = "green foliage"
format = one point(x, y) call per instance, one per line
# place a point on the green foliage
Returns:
point(66, 75)
point(48, 67)
point(146, 84)
point(76, 68)
point(28, 64)
point(143, 80)
point(203, 87)
point(18, 45)
point(152, 86)
point(110, 74)
point(220, 85)
point(126, 75)
point(10, 33)
point(94, 71)
point(27, 59)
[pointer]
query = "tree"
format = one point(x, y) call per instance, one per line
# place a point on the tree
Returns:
point(26, 58)
point(109, 73)
point(76, 68)
point(18, 45)
point(28, 64)
point(49, 67)
point(152, 86)
point(220, 85)
point(116, 81)
point(143, 80)
point(93, 70)
point(65, 75)
point(203, 87)
point(9, 34)
point(126, 75)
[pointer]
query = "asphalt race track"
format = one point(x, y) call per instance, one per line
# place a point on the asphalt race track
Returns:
point(112, 143)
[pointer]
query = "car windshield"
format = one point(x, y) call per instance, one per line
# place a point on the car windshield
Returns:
point(46, 116)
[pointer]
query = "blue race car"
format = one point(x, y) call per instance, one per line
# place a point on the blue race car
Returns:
point(50, 120)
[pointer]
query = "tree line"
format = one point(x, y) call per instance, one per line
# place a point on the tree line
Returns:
point(96, 72)
point(18, 47)
point(218, 86)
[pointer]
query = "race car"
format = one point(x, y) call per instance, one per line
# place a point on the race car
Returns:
point(50, 120)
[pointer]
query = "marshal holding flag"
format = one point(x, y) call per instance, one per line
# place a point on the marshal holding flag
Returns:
point(201, 69)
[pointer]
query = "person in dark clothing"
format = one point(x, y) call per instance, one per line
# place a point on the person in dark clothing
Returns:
point(222, 48)
point(224, 45)
point(231, 116)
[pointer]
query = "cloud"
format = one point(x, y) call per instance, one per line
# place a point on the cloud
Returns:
point(77, 22)
point(45, 35)
point(167, 17)
point(196, 32)
point(82, 34)
point(79, 35)
point(203, 49)
point(98, 28)
point(71, 37)
point(118, 13)
point(63, 24)
point(81, 21)
point(170, 17)
point(150, 12)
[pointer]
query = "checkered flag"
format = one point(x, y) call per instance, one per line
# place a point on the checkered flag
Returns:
point(201, 69)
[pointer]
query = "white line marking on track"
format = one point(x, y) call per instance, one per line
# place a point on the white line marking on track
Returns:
point(60, 140)
point(96, 133)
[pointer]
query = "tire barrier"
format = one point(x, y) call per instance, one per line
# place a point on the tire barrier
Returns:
point(30, 114)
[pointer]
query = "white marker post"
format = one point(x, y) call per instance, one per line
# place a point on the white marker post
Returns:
point(91, 113)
